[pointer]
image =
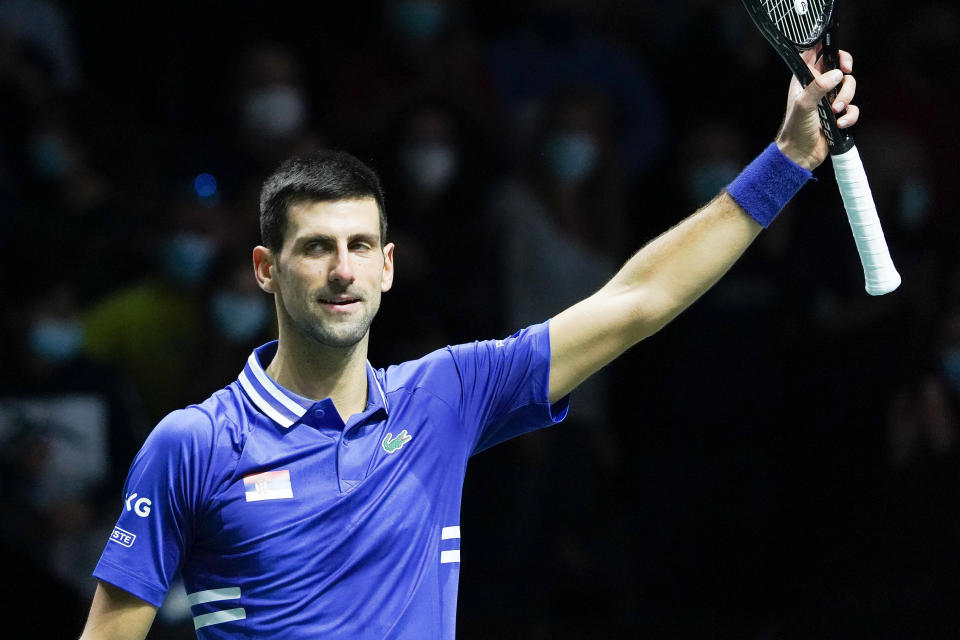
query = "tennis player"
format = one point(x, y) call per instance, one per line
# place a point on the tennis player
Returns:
point(319, 497)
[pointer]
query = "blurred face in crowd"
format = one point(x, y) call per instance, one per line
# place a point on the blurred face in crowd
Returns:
point(330, 272)
point(572, 148)
point(429, 155)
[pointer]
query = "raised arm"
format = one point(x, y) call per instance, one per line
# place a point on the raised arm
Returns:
point(117, 615)
point(676, 268)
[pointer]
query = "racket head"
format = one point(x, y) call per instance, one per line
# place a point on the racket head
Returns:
point(803, 22)
point(792, 26)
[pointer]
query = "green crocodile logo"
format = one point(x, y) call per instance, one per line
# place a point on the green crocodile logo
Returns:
point(391, 444)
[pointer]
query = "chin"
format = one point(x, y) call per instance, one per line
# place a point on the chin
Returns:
point(339, 339)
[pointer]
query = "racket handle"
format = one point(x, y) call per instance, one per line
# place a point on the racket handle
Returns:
point(878, 271)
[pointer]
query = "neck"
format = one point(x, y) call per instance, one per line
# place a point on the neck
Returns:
point(317, 371)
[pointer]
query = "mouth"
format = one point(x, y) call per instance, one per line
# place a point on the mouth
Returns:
point(340, 303)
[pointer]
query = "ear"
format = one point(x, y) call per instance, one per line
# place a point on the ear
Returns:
point(263, 268)
point(386, 278)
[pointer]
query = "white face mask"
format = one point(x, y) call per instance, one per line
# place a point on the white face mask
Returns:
point(240, 316)
point(187, 257)
point(417, 21)
point(915, 198)
point(56, 340)
point(430, 165)
point(48, 155)
point(276, 111)
point(950, 365)
point(571, 156)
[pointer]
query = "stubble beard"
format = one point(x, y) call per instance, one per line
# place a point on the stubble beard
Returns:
point(339, 334)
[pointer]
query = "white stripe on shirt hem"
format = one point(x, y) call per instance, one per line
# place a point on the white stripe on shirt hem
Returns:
point(218, 617)
point(450, 556)
point(213, 595)
point(448, 533)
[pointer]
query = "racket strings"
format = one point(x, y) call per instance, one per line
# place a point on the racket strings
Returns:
point(799, 20)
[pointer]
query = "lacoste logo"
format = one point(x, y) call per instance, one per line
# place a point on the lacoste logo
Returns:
point(123, 537)
point(391, 444)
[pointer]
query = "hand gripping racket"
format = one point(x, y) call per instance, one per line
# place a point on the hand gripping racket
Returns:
point(791, 27)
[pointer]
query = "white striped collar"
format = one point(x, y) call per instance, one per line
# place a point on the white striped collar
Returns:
point(284, 406)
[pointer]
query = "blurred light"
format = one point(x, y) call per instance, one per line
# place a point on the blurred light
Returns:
point(205, 185)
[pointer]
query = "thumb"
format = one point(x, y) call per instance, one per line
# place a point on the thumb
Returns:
point(823, 84)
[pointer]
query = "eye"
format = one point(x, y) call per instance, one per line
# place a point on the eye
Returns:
point(315, 247)
point(360, 245)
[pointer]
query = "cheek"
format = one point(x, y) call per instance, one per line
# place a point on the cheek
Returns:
point(295, 286)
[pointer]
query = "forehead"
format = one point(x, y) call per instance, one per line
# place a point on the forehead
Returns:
point(334, 218)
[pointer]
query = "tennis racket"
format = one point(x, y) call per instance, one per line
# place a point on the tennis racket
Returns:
point(794, 26)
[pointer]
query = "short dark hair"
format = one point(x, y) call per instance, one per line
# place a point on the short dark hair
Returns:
point(321, 176)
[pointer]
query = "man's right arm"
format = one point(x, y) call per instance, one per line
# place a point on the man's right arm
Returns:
point(117, 615)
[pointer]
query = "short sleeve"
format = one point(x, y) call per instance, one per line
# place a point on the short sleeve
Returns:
point(504, 386)
point(161, 498)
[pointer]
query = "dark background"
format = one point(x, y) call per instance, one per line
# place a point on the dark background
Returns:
point(779, 462)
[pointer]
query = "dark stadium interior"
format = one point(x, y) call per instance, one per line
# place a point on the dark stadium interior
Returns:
point(779, 462)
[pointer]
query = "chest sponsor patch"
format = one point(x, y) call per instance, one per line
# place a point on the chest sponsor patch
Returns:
point(122, 537)
point(269, 485)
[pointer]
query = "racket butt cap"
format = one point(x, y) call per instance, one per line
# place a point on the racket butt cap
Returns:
point(885, 287)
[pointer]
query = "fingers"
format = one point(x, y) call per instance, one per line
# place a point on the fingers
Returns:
point(846, 93)
point(850, 117)
point(815, 61)
point(822, 85)
point(846, 61)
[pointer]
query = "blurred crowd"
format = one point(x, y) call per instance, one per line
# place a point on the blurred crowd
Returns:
point(779, 462)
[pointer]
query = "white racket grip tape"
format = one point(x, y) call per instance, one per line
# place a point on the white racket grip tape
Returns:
point(878, 271)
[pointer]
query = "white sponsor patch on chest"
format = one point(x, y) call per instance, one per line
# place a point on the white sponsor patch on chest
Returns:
point(269, 485)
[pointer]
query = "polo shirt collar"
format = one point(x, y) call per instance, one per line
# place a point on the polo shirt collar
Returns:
point(282, 405)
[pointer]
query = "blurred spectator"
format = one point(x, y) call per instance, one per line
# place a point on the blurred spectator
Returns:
point(43, 27)
point(239, 316)
point(436, 176)
point(924, 415)
point(561, 223)
point(68, 430)
point(151, 330)
point(275, 118)
point(424, 50)
point(557, 51)
point(923, 420)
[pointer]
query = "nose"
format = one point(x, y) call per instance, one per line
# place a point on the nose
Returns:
point(342, 271)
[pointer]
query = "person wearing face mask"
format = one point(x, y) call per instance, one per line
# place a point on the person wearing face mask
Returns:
point(239, 316)
point(428, 50)
point(566, 205)
point(148, 329)
point(562, 223)
point(67, 425)
point(272, 111)
point(236, 316)
point(438, 163)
